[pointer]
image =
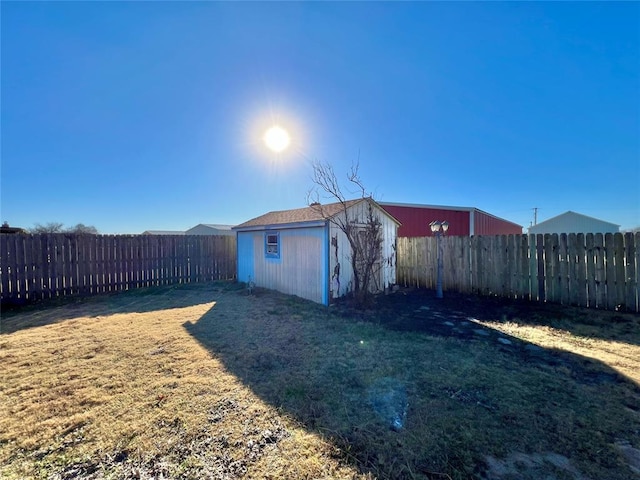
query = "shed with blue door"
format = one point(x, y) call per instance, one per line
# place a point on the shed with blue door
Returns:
point(303, 252)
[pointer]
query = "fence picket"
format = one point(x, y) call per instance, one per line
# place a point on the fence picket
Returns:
point(67, 273)
point(514, 267)
point(610, 270)
point(36, 258)
point(601, 279)
point(566, 249)
point(500, 265)
point(55, 265)
point(548, 268)
point(590, 269)
point(484, 266)
point(619, 261)
point(4, 264)
point(28, 270)
point(581, 271)
point(542, 294)
point(12, 263)
point(631, 279)
point(93, 265)
point(19, 266)
point(146, 255)
point(533, 268)
point(522, 257)
point(636, 279)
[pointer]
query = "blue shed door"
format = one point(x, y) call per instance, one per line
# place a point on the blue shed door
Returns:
point(245, 256)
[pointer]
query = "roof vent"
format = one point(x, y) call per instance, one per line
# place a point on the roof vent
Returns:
point(315, 204)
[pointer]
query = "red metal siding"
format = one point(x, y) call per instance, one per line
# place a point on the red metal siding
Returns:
point(415, 220)
point(485, 224)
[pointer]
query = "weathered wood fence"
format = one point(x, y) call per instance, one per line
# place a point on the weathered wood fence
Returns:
point(36, 267)
point(589, 270)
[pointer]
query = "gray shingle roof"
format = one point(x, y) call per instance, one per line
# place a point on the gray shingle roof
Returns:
point(299, 215)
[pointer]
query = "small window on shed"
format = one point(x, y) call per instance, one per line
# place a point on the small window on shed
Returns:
point(272, 245)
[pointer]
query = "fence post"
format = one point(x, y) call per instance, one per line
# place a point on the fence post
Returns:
point(636, 279)
point(631, 276)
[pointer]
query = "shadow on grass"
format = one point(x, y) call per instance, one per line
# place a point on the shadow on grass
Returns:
point(584, 322)
point(458, 396)
point(139, 300)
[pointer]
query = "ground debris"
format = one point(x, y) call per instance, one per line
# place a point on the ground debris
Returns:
point(533, 466)
point(471, 397)
point(222, 408)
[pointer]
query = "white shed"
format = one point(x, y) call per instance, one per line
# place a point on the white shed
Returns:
point(302, 252)
point(572, 222)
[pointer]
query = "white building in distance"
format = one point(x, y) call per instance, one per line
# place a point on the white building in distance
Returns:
point(572, 222)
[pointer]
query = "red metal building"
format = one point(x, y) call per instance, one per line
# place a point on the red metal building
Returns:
point(465, 221)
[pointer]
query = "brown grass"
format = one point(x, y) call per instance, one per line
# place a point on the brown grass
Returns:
point(206, 381)
point(99, 392)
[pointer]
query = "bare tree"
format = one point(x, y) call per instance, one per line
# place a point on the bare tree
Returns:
point(364, 235)
point(82, 228)
point(51, 227)
point(57, 227)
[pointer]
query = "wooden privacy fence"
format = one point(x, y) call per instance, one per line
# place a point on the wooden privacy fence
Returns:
point(36, 267)
point(589, 270)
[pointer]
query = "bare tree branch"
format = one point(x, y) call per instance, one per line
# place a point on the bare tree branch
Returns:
point(51, 227)
point(364, 236)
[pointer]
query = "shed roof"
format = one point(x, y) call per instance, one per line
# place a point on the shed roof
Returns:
point(313, 213)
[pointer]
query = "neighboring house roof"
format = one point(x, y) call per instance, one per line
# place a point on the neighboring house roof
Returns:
point(313, 213)
point(162, 232)
point(8, 229)
point(214, 225)
point(207, 227)
point(572, 222)
point(210, 228)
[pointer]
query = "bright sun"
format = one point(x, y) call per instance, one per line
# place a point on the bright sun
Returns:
point(277, 138)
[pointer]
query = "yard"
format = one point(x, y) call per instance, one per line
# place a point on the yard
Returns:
point(208, 381)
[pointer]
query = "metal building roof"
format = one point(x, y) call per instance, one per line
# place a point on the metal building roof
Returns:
point(163, 232)
point(572, 222)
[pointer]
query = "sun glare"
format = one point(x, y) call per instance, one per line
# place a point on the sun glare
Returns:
point(277, 138)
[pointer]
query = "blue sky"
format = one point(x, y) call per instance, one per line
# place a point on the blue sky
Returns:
point(149, 115)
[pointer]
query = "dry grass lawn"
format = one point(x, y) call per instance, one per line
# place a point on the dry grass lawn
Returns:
point(205, 381)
